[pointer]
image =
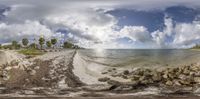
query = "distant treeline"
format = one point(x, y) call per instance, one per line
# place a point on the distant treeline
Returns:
point(197, 46)
point(38, 44)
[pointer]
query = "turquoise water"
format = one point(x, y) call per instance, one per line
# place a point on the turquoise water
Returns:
point(141, 57)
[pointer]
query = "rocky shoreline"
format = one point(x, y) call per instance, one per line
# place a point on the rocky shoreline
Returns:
point(52, 74)
point(183, 79)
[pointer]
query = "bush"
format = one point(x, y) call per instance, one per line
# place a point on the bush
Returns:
point(31, 52)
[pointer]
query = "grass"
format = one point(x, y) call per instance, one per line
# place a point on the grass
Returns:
point(31, 52)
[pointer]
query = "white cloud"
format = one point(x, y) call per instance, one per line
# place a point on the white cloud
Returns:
point(29, 29)
point(187, 34)
point(182, 35)
point(136, 33)
point(89, 24)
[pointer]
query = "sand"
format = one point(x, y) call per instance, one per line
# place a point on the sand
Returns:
point(6, 56)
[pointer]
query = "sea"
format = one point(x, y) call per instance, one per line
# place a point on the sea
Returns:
point(141, 57)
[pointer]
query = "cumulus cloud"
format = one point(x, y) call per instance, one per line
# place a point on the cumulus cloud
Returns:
point(29, 29)
point(136, 33)
point(182, 35)
point(87, 24)
point(187, 34)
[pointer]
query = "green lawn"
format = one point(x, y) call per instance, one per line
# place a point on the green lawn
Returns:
point(31, 52)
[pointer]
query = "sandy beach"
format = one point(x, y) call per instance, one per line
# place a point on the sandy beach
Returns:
point(66, 73)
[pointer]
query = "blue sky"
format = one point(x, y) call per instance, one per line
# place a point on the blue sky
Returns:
point(103, 24)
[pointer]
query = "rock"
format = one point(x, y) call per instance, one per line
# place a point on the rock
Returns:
point(197, 80)
point(197, 91)
point(185, 82)
point(177, 83)
point(132, 83)
point(29, 92)
point(124, 76)
point(186, 71)
point(8, 68)
point(135, 77)
point(126, 72)
point(182, 77)
point(36, 67)
point(14, 62)
point(142, 78)
point(109, 70)
point(114, 69)
point(197, 74)
point(113, 82)
point(103, 79)
point(145, 82)
point(32, 72)
point(123, 88)
point(165, 76)
point(6, 77)
point(104, 72)
point(171, 76)
point(157, 77)
point(169, 83)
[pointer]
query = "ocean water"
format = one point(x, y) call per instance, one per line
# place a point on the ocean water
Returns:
point(141, 57)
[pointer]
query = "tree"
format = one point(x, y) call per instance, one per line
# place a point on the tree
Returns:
point(53, 41)
point(25, 41)
point(68, 45)
point(33, 46)
point(0, 46)
point(48, 43)
point(14, 44)
point(41, 42)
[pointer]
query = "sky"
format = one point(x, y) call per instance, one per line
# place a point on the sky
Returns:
point(109, 24)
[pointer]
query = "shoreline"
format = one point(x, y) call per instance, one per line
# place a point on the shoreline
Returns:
point(53, 74)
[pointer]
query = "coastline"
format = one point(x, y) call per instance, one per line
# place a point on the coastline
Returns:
point(55, 75)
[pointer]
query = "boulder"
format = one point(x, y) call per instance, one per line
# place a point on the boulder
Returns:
point(197, 74)
point(186, 71)
point(182, 77)
point(169, 83)
point(135, 77)
point(157, 77)
point(197, 80)
point(113, 82)
point(125, 72)
point(177, 82)
point(103, 79)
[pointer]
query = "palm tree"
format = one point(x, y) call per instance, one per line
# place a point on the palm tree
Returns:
point(14, 44)
point(48, 43)
point(41, 41)
point(53, 41)
point(25, 41)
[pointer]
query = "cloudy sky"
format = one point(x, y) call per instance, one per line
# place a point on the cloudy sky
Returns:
point(103, 23)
